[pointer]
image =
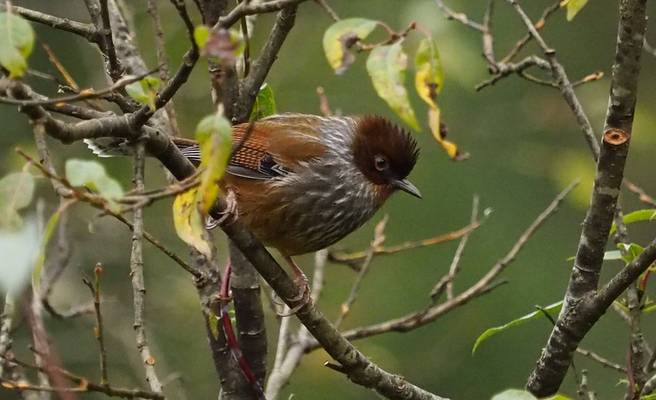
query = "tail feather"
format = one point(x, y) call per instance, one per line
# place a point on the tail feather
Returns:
point(116, 147)
point(110, 147)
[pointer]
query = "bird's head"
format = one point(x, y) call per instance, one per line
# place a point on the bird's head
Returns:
point(385, 153)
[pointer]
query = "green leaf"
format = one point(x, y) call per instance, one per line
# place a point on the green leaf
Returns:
point(201, 36)
point(648, 397)
point(16, 191)
point(573, 7)
point(341, 36)
point(514, 394)
point(551, 309)
point(19, 249)
point(265, 103)
point(429, 75)
point(145, 91)
point(16, 43)
point(649, 309)
point(214, 134)
point(630, 251)
point(387, 67)
point(92, 175)
point(648, 214)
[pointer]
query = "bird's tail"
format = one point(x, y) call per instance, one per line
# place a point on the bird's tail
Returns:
point(116, 147)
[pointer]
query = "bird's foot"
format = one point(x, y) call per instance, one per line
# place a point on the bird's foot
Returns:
point(228, 216)
point(304, 293)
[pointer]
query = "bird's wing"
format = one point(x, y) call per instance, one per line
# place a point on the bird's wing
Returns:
point(271, 147)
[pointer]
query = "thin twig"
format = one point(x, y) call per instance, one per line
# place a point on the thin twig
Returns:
point(460, 17)
point(601, 360)
point(527, 38)
point(358, 256)
point(488, 38)
point(136, 272)
point(6, 321)
point(87, 31)
point(378, 240)
point(324, 105)
point(329, 10)
point(115, 69)
point(648, 47)
point(98, 330)
point(650, 386)
point(83, 95)
point(642, 195)
point(446, 282)
point(245, 8)
point(155, 242)
point(162, 60)
point(560, 76)
point(84, 385)
point(503, 70)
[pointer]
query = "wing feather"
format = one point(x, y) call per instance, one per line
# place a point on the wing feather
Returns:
point(276, 146)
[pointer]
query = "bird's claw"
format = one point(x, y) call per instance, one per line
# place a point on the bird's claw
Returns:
point(228, 216)
point(303, 297)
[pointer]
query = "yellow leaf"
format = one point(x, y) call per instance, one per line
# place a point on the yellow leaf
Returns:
point(341, 36)
point(189, 223)
point(429, 75)
point(573, 7)
point(439, 133)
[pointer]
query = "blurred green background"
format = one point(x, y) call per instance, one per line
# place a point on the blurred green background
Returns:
point(525, 147)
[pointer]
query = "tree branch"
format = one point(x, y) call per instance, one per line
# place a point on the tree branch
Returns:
point(245, 8)
point(583, 307)
point(251, 331)
point(87, 31)
point(261, 66)
point(114, 68)
point(233, 383)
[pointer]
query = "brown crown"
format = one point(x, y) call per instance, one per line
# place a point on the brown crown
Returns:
point(378, 135)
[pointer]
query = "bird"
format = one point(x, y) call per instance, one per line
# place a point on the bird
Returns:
point(302, 182)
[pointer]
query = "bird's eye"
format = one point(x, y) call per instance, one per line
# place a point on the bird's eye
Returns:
point(380, 162)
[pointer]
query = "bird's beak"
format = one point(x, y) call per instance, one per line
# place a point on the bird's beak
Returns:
point(408, 187)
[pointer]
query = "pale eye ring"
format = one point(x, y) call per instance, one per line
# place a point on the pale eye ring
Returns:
point(380, 162)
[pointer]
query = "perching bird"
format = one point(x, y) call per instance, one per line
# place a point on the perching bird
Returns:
point(303, 182)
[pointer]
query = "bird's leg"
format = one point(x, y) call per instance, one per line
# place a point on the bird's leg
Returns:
point(302, 284)
point(228, 215)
